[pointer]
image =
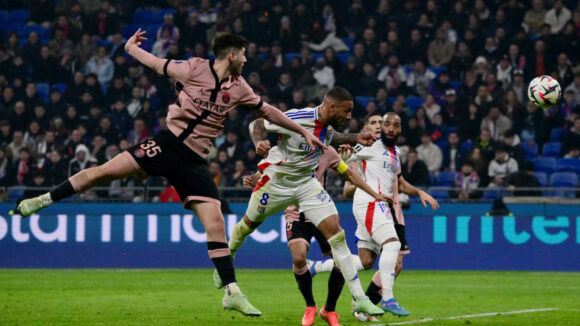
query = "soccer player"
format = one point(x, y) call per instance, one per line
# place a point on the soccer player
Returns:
point(208, 89)
point(377, 230)
point(289, 179)
point(299, 232)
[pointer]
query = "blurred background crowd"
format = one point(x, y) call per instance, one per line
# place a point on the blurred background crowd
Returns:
point(455, 71)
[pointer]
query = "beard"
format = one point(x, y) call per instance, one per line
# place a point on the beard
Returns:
point(237, 68)
point(387, 141)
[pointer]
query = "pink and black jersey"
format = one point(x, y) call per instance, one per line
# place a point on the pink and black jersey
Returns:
point(203, 102)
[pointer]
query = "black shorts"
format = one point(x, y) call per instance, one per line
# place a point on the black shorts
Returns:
point(187, 172)
point(304, 231)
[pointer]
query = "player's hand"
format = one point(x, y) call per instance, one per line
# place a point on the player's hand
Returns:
point(345, 151)
point(263, 148)
point(385, 198)
point(426, 198)
point(314, 142)
point(365, 138)
point(250, 181)
point(135, 40)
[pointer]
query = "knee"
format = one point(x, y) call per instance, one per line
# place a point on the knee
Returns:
point(299, 261)
point(367, 262)
point(392, 243)
point(217, 226)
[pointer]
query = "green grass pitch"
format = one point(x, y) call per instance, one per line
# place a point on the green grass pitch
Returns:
point(186, 297)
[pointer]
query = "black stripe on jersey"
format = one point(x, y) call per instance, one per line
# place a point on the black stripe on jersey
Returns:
point(191, 125)
point(253, 107)
point(218, 84)
point(165, 67)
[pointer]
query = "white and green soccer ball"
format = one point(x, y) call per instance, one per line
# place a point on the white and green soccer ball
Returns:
point(544, 91)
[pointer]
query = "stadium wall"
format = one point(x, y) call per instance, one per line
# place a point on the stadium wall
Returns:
point(456, 237)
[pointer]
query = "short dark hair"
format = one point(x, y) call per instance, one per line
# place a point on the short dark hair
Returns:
point(339, 94)
point(222, 44)
point(368, 117)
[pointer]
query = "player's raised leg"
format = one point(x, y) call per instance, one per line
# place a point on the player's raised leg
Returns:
point(212, 219)
point(121, 166)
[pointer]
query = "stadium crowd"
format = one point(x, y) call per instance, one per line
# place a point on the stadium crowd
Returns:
point(455, 71)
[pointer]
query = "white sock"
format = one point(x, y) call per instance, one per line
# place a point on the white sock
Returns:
point(387, 264)
point(343, 259)
point(232, 288)
point(357, 263)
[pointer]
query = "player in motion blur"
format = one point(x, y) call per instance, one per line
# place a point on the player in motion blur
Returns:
point(380, 228)
point(289, 179)
point(208, 89)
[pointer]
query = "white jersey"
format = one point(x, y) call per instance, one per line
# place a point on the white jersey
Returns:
point(380, 166)
point(291, 160)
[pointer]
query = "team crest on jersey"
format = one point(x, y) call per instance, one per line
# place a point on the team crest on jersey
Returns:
point(261, 209)
point(226, 98)
point(139, 153)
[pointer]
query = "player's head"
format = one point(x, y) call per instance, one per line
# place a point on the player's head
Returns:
point(231, 47)
point(374, 124)
point(339, 104)
point(391, 129)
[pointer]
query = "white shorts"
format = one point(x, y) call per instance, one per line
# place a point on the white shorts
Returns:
point(375, 225)
point(271, 196)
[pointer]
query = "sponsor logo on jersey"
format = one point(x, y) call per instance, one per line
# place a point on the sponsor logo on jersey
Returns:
point(209, 106)
point(226, 98)
point(261, 209)
point(139, 153)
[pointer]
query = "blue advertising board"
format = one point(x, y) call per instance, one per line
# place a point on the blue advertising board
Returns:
point(457, 236)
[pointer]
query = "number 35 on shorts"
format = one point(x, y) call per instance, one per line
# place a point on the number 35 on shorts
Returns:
point(151, 148)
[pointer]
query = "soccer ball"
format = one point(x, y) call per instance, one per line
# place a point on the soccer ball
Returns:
point(544, 91)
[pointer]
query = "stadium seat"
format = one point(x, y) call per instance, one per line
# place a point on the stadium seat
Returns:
point(456, 84)
point(542, 178)
point(466, 145)
point(391, 99)
point(43, 33)
point(4, 17)
point(292, 55)
point(61, 87)
point(437, 70)
point(349, 42)
point(343, 56)
point(568, 165)
point(414, 102)
point(363, 100)
point(43, 91)
point(157, 15)
point(445, 179)
point(564, 180)
point(552, 150)
point(442, 143)
point(545, 164)
point(20, 16)
point(438, 194)
point(431, 178)
point(315, 56)
point(15, 193)
point(142, 17)
point(557, 134)
point(129, 30)
point(152, 32)
point(531, 151)
point(7, 28)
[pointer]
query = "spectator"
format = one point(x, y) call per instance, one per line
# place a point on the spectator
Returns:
point(5, 134)
point(164, 40)
point(519, 86)
point(483, 99)
point(193, 33)
point(430, 154)
point(393, 76)
point(323, 74)
point(501, 167)
point(232, 146)
point(138, 133)
point(515, 58)
point(19, 116)
point(574, 152)
point(14, 147)
point(368, 83)
point(524, 179)
point(238, 174)
point(39, 184)
point(557, 17)
point(219, 178)
point(504, 72)
point(514, 147)
point(6, 170)
point(55, 168)
point(81, 160)
point(564, 68)
point(416, 50)
point(572, 138)
point(534, 17)
point(134, 105)
point(485, 143)
point(102, 66)
point(440, 85)
point(431, 107)
point(451, 110)
point(60, 44)
point(24, 167)
point(415, 171)
point(440, 50)
point(496, 123)
point(420, 78)
point(168, 26)
point(466, 182)
point(575, 85)
point(453, 153)
point(530, 125)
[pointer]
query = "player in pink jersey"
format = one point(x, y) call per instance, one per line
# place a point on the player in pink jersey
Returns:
point(208, 89)
point(378, 230)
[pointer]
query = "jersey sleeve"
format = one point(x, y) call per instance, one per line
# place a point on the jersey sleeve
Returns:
point(181, 70)
point(247, 97)
point(270, 127)
point(362, 154)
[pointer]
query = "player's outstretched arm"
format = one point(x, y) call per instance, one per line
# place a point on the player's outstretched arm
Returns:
point(357, 181)
point(410, 190)
point(160, 66)
point(349, 187)
point(257, 131)
point(363, 138)
point(276, 116)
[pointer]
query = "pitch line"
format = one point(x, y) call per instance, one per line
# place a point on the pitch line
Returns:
point(487, 314)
